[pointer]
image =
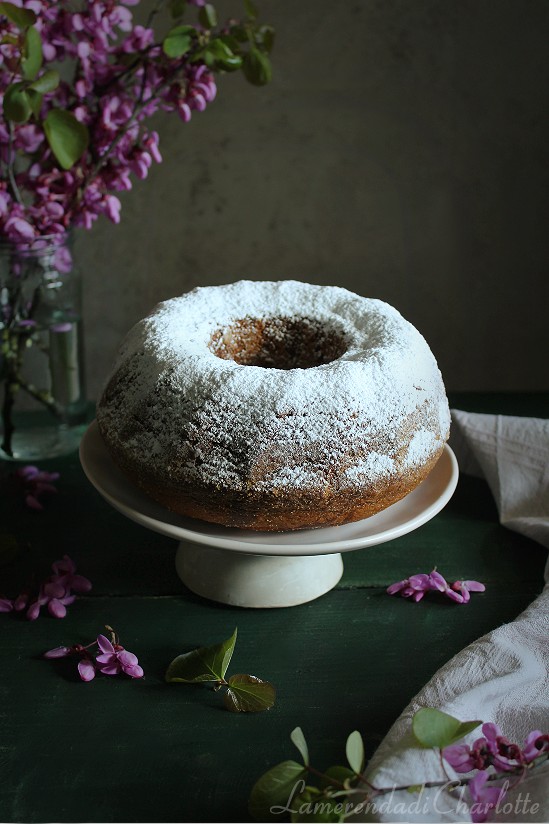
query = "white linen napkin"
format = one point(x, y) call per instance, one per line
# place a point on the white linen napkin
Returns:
point(504, 676)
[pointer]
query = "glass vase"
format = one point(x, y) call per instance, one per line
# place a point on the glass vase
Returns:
point(42, 389)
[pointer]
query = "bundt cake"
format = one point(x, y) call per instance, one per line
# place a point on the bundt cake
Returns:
point(274, 405)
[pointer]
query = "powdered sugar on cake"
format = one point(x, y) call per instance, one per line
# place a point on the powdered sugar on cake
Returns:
point(270, 427)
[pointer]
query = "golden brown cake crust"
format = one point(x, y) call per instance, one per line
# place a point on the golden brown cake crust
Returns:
point(278, 511)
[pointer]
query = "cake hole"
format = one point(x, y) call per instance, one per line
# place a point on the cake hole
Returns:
point(279, 343)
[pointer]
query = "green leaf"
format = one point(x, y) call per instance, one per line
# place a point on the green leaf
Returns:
point(298, 739)
point(312, 805)
point(31, 61)
point(231, 43)
point(265, 35)
point(218, 54)
point(17, 106)
point(35, 100)
point(257, 67)
point(338, 775)
point(272, 794)
point(239, 33)
point(46, 82)
point(415, 788)
point(354, 750)
point(68, 138)
point(178, 41)
point(219, 48)
point(250, 9)
point(246, 693)
point(202, 664)
point(21, 17)
point(433, 728)
point(207, 16)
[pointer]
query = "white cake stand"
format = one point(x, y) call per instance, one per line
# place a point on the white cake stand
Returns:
point(264, 569)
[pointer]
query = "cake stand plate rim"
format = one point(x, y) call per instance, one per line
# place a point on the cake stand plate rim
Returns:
point(418, 507)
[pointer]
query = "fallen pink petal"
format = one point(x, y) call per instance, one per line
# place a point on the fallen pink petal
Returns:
point(86, 669)
point(58, 652)
point(465, 587)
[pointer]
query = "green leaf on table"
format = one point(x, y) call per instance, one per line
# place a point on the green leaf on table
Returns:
point(17, 106)
point(68, 138)
point(15, 14)
point(257, 67)
point(297, 738)
point(47, 82)
point(31, 61)
point(202, 664)
point(273, 792)
point(178, 41)
point(354, 750)
point(433, 728)
point(207, 16)
point(246, 693)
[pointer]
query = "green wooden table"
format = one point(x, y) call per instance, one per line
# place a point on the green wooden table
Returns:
point(121, 750)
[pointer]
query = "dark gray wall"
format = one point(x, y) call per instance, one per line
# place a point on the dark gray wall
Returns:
point(401, 152)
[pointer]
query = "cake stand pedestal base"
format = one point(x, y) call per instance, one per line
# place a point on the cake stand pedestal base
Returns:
point(245, 580)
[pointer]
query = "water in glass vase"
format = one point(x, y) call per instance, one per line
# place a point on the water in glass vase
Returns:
point(42, 356)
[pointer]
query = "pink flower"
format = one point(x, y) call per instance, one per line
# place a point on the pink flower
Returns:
point(459, 757)
point(18, 229)
point(439, 582)
point(65, 576)
point(56, 593)
point(35, 484)
point(505, 755)
point(115, 659)
point(465, 587)
point(494, 749)
point(535, 744)
point(86, 666)
point(416, 586)
point(55, 599)
point(413, 587)
point(484, 798)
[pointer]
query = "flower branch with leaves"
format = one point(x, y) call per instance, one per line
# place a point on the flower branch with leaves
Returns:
point(79, 82)
point(342, 793)
point(67, 145)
